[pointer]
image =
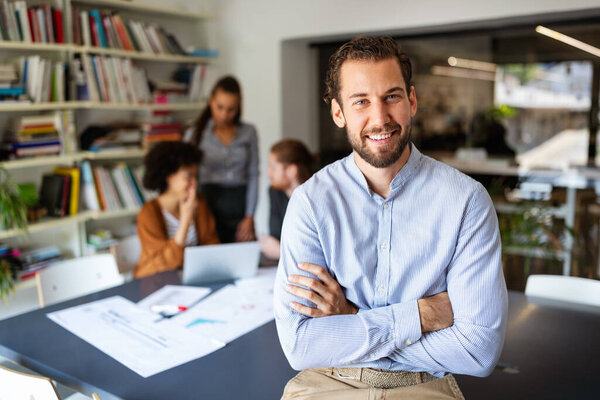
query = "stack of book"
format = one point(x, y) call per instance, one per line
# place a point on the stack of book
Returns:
point(36, 24)
point(108, 29)
point(112, 188)
point(110, 79)
point(119, 139)
point(35, 135)
point(155, 133)
point(59, 193)
point(35, 259)
point(11, 88)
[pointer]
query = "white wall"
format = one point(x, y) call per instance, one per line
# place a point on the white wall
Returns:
point(251, 32)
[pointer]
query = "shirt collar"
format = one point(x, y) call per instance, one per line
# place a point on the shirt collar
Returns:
point(411, 166)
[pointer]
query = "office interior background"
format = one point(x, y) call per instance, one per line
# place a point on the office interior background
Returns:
point(512, 107)
point(502, 96)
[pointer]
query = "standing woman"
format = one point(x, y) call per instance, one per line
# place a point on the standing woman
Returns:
point(229, 170)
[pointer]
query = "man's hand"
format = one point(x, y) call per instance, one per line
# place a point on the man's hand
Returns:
point(325, 292)
point(435, 312)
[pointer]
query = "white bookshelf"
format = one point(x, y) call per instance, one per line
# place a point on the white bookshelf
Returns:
point(70, 232)
point(36, 47)
point(173, 58)
point(53, 106)
point(64, 159)
point(145, 8)
point(50, 223)
point(45, 224)
point(91, 105)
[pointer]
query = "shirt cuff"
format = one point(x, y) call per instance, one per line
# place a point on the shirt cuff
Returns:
point(407, 323)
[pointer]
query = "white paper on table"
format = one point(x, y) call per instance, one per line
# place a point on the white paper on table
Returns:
point(131, 336)
point(232, 311)
point(174, 295)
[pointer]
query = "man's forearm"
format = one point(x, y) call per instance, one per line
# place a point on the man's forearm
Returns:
point(346, 339)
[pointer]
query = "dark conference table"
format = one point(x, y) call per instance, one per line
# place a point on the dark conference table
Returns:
point(553, 345)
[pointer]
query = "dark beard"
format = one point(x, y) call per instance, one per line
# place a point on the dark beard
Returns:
point(384, 159)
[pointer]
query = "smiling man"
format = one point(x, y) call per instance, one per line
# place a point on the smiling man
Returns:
point(390, 277)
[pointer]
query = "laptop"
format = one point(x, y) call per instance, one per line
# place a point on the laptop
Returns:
point(220, 262)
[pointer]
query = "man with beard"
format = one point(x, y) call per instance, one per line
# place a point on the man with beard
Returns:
point(390, 276)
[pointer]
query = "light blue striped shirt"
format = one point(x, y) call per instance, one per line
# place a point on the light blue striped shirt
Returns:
point(436, 231)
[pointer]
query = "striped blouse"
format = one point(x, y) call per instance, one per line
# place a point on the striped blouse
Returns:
point(172, 224)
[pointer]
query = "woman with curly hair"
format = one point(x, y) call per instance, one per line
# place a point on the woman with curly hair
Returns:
point(178, 217)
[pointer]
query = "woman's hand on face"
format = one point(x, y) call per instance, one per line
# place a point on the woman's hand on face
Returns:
point(188, 204)
point(245, 230)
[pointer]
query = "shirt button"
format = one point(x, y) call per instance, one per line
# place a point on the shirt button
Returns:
point(383, 246)
point(373, 355)
point(408, 342)
point(381, 289)
point(386, 205)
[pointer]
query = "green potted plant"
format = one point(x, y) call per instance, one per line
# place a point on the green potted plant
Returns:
point(13, 215)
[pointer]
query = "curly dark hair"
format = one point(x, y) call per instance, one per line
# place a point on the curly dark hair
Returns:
point(165, 159)
point(364, 48)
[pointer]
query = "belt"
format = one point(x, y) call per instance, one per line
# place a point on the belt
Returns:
point(382, 378)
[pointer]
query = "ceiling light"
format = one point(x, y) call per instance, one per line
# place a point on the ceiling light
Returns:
point(471, 64)
point(462, 73)
point(568, 40)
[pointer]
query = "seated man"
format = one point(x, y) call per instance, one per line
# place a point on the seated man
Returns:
point(390, 275)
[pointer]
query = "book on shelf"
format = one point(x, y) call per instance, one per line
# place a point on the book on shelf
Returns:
point(74, 193)
point(111, 188)
point(110, 79)
point(38, 80)
point(35, 24)
point(161, 132)
point(33, 259)
point(106, 29)
point(54, 194)
point(35, 135)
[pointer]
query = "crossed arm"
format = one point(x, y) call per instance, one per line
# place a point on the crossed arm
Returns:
point(435, 312)
point(322, 329)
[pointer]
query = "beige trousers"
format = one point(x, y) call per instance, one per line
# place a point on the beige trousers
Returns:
point(323, 383)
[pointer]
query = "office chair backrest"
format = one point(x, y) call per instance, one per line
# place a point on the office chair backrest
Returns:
point(76, 277)
point(19, 385)
point(127, 253)
point(565, 288)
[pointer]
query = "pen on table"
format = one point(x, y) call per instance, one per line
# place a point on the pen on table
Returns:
point(167, 308)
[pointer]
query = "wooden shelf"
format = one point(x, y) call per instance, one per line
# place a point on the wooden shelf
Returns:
point(55, 222)
point(176, 58)
point(146, 8)
point(13, 45)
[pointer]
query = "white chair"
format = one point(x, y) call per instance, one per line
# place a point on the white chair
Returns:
point(19, 383)
point(76, 277)
point(565, 288)
point(127, 253)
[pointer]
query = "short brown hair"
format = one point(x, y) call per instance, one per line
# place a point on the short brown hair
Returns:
point(290, 151)
point(364, 48)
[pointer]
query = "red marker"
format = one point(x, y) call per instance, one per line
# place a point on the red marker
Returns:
point(167, 308)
